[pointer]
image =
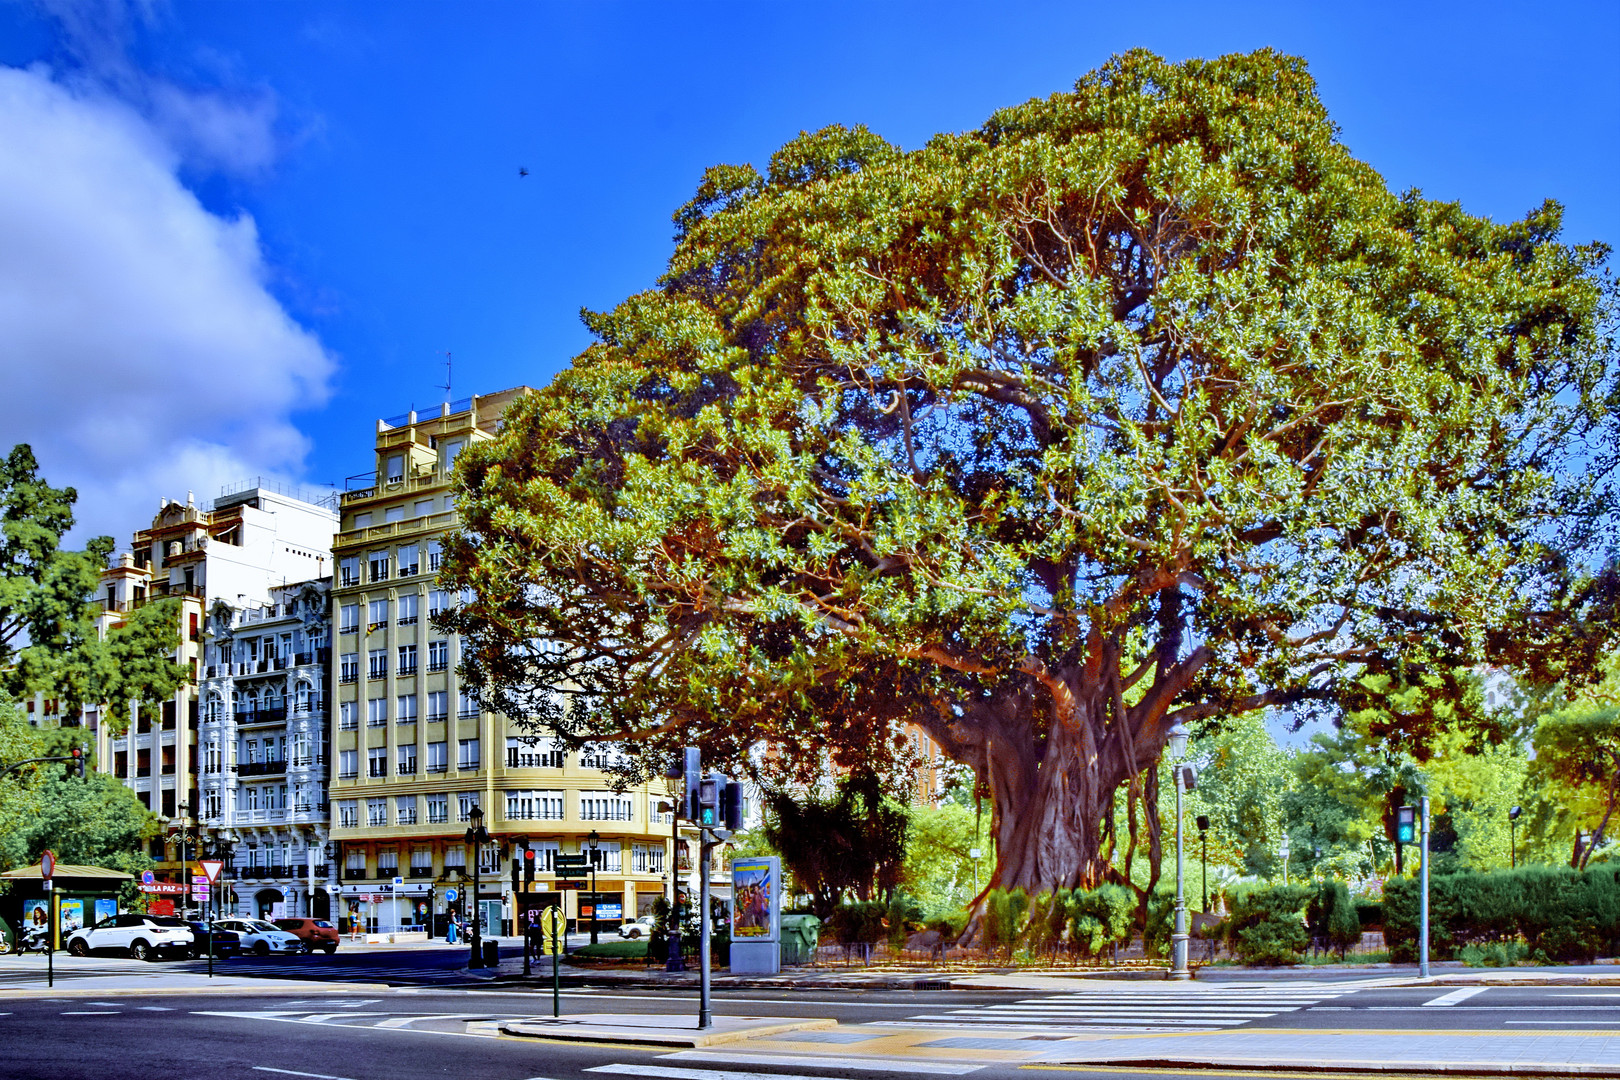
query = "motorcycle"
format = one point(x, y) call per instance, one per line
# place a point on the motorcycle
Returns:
point(32, 939)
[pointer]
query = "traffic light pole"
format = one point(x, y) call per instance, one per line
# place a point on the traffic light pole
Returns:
point(1423, 901)
point(705, 1020)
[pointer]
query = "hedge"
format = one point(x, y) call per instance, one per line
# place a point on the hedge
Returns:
point(1267, 924)
point(1561, 913)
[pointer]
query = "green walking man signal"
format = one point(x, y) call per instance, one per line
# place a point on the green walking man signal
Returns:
point(1406, 825)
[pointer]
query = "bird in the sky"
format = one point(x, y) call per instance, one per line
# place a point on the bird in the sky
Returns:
point(522, 171)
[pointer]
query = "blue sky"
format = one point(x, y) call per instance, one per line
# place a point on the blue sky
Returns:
point(232, 235)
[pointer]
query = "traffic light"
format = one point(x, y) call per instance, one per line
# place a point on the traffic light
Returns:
point(1406, 825)
point(528, 867)
point(691, 770)
point(709, 789)
point(731, 806)
point(76, 766)
point(517, 886)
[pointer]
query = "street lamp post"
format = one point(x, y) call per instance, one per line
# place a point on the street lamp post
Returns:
point(1178, 938)
point(477, 837)
point(1513, 842)
point(593, 841)
point(1283, 851)
point(975, 854)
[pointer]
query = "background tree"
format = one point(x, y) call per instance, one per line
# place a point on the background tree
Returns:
point(48, 638)
point(848, 844)
point(1142, 404)
point(1577, 767)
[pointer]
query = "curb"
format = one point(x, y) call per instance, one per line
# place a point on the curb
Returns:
point(691, 1038)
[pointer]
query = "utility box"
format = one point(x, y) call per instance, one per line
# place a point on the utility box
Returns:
point(800, 935)
point(492, 953)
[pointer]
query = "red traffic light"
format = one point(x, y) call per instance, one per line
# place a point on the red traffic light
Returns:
point(528, 854)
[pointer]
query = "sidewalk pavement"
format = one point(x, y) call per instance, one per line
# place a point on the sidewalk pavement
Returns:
point(659, 1030)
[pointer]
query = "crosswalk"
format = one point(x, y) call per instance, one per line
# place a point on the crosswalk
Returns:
point(1153, 1007)
point(313, 968)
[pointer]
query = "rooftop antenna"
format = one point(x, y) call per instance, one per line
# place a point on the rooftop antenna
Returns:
point(445, 386)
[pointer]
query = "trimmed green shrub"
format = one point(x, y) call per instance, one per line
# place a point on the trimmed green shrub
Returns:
point(1161, 918)
point(1332, 917)
point(1004, 919)
point(1369, 913)
point(1267, 925)
point(1099, 918)
point(1561, 913)
point(1495, 954)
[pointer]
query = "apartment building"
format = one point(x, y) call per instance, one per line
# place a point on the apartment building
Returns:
point(262, 741)
point(412, 753)
point(253, 538)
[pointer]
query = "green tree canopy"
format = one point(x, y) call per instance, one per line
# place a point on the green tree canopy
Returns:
point(48, 638)
point(1140, 404)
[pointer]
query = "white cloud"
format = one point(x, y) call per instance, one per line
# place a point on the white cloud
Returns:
point(140, 352)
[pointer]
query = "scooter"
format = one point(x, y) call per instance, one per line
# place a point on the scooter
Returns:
point(32, 939)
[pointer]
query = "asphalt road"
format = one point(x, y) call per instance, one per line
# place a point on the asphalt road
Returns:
point(403, 1034)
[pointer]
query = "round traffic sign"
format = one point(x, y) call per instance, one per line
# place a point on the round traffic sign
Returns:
point(147, 877)
point(449, 894)
point(47, 864)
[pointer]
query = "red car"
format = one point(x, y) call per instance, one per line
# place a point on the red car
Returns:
point(314, 933)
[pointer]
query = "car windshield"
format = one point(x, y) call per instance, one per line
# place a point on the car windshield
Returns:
point(263, 927)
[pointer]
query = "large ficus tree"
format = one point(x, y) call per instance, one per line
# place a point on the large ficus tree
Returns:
point(1140, 404)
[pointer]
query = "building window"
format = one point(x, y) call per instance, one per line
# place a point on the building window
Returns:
point(407, 609)
point(387, 862)
point(377, 761)
point(421, 857)
point(348, 715)
point(405, 711)
point(376, 712)
point(377, 664)
point(534, 806)
point(529, 753)
point(362, 520)
point(355, 861)
point(438, 706)
point(468, 706)
point(605, 806)
point(376, 616)
point(349, 569)
point(438, 759)
point(647, 858)
point(545, 856)
point(407, 660)
point(407, 561)
point(424, 508)
point(349, 619)
point(396, 468)
point(608, 857)
point(348, 667)
point(393, 514)
point(467, 754)
point(489, 859)
point(465, 801)
point(438, 655)
point(377, 566)
point(435, 552)
point(599, 756)
point(438, 809)
point(348, 764)
point(376, 812)
point(407, 760)
point(405, 805)
point(438, 600)
point(455, 857)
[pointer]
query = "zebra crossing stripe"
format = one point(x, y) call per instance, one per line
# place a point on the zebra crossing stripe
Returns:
point(815, 1061)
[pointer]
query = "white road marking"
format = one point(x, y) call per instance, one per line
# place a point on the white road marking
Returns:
point(1456, 996)
point(154, 1008)
point(813, 1061)
point(662, 1072)
point(295, 1072)
point(1582, 1023)
point(93, 1012)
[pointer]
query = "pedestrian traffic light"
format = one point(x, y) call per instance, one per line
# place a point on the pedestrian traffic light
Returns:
point(709, 790)
point(731, 806)
point(528, 866)
point(1406, 825)
point(691, 770)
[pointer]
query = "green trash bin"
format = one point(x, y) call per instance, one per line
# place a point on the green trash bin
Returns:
point(800, 934)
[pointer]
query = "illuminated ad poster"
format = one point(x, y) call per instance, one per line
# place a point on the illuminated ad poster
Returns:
point(755, 898)
point(72, 915)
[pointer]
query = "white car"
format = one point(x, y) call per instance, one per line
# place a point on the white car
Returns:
point(639, 927)
point(141, 936)
point(262, 939)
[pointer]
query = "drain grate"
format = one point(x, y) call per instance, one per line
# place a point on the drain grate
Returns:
point(930, 984)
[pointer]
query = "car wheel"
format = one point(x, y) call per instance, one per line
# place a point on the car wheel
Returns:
point(261, 949)
point(634, 934)
point(331, 949)
point(77, 947)
point(141, 951)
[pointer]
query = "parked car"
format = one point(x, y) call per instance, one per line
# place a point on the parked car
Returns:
point(314, 933)
point(223, 942)
point(262, 939)
point(141, 936)
point(639, 927)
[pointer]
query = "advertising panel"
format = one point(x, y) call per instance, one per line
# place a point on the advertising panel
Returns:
point(106, 908)
point(72, 913)
point(756, 898)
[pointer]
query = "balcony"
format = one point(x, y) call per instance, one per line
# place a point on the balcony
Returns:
point(406, 669)
point(421, 872)
point(261, 768)
point(438, 665)
point(262, 716)
point(351, 873)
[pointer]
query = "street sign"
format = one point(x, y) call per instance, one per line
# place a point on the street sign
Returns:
point(571, 860)
point(450, 894)
point(551, 928)
point(47, 864)
point(210, 868)
point(399, 881)
point(147, 877)
point(566, 885)
point(164, 888)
